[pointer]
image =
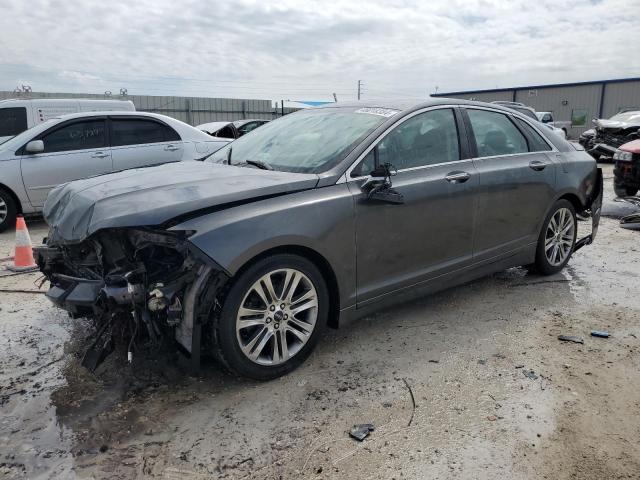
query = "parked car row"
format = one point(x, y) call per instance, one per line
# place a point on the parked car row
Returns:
point(20, 114)
point(311, 221)
point(532, 114)
point(231, 130)
point(80, 145)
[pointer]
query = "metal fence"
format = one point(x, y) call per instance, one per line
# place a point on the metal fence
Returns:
point(192, 110)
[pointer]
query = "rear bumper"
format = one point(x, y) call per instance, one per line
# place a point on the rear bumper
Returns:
point(594, 208)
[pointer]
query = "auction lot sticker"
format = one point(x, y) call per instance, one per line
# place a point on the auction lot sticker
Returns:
point(384, 112)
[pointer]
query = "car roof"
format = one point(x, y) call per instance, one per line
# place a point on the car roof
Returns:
point(129, 113)
point(411, 104)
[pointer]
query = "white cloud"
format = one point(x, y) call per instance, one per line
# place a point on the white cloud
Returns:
point(306, 50)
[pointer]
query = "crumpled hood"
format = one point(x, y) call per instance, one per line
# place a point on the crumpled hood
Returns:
point(154, 195)
point(615, 124)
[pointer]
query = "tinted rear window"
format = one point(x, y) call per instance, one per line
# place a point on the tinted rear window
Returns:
point(137, 131)
point(12, 121)
point(76, 136)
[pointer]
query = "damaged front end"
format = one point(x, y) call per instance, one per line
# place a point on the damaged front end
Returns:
point(135, 283)
point(609, 136)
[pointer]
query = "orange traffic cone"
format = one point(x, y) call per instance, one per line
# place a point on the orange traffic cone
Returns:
point(23, 258)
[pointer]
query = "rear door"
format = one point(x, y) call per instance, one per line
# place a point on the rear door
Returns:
point(517, 182)
point(143, 141)
point(431, 233)
point(72, 150)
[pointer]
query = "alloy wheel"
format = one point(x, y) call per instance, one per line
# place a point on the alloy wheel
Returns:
point(559, 237)
point(277, 316)
point(4, 210)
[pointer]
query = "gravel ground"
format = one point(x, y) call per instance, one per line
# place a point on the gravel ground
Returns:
point(496, 394)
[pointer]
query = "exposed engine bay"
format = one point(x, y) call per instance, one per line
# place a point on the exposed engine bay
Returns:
point(137, 285)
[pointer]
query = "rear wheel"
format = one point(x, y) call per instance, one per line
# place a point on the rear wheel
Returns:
point(272, 317)
point(7, 210)
point(557, 239)
point(622, 191)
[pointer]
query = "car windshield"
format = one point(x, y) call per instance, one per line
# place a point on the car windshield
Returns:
point(627, 117)
point(308, 141)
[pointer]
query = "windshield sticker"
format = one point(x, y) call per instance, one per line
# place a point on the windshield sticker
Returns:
point(384, 112)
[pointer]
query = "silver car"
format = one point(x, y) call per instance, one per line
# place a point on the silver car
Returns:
point(81, 145)
point(311, 221)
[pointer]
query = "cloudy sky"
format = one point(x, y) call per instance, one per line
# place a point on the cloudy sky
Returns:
point(306, 50)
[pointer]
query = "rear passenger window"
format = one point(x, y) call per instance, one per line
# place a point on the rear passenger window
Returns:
point(137, 132)
point(536, 142)
point(76, 136)
point(12, 121)
point(495, 134)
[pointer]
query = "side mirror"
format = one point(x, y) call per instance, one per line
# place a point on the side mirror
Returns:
point(35, 146)
point(378, 185)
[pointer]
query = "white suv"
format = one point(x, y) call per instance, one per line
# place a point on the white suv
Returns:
point(81, 145)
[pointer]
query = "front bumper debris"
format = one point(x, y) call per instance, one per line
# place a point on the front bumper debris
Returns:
point(140, 285)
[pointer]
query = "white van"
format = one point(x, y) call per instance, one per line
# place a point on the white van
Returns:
point(20, 114)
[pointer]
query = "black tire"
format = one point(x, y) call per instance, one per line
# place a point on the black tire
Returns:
point(226, 344)
point(8, 210)
point(622, 191)
point(542, 264)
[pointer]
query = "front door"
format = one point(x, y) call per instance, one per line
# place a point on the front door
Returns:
point(74, 150)
point(431, 233)
point(140, 142)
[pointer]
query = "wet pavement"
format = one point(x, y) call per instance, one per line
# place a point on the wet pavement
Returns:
point(468, 383)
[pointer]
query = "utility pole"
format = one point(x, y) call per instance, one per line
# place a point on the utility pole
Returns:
point(359, 88)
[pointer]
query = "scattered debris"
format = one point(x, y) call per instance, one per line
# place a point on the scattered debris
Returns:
point(631, 222)
point(12, 290)
point(482, 362)
point(520, 365)
point(621, 207)
point(570, 338)
point(360, 432)
point(530, 374)
point(413, 401)
point(599, 333)
point(434, 361)
point(492, 418)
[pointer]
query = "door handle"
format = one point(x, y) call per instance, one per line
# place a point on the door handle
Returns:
point(99, 155)
point(537, 165)
point(457, 177)
point(170, 148)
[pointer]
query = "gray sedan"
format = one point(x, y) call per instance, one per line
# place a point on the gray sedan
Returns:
point(312, 221)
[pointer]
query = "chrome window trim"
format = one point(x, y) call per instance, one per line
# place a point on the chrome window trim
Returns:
point(347, 175)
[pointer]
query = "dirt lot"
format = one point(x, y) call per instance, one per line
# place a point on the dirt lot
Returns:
point(496, 394)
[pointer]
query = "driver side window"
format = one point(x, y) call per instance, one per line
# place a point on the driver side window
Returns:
point(428, 138)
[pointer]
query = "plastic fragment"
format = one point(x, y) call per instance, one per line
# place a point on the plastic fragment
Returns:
point(360, 432)
point(570, 338)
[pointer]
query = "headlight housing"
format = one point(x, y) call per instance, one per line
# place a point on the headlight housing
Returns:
point(623, 156)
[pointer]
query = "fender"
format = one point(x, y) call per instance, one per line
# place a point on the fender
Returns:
point(320, 219)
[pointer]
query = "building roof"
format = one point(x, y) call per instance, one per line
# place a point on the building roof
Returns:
point(534, 87)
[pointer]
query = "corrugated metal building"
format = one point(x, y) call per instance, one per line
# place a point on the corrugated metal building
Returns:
point(192, 110)
point(574, 102)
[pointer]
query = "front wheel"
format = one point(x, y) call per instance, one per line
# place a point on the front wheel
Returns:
point(272, 317)
point(7, 210)
point(557, 238)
